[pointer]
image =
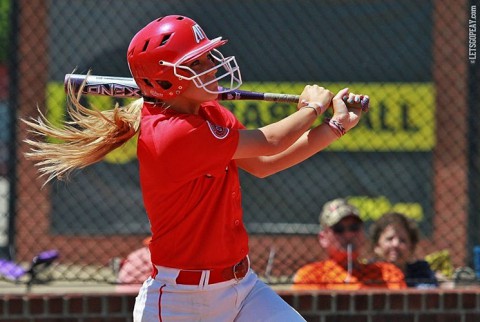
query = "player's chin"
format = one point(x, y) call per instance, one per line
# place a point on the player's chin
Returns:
point(210, 96)
point(211, 90)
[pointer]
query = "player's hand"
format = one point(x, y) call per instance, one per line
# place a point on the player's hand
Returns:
point(317, 97)
point(348, 116)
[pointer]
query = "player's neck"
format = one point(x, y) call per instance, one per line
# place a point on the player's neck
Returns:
point(184, 106)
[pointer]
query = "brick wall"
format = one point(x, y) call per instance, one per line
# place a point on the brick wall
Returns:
point(457, 305)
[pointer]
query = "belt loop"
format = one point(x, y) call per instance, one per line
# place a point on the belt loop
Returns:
point(205, 279)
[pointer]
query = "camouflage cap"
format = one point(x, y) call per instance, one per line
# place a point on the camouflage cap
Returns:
point(335, 210)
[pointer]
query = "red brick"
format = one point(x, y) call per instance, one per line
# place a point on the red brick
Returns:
point(343, 302)
point(59, 319)
point(360, 302)
point(305, 302)
point(94, 304)
point(414, 302)
point(121, 319)
point(324, 302)
point(357, 306)
point(347, 318)
point(468, 300)
point(55, 305)
point(15, 306)
point(74, 305)
point(472, 317)
point(36, 305)
point(393, 317)
point(432, 301)
point(397, 301)
point(117, 319)
point(440, 317)
point(114, 304)
point(379, 302)
point(450, 301)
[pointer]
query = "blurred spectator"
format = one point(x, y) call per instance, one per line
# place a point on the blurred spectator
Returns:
point(342, 236)
point(394, 239)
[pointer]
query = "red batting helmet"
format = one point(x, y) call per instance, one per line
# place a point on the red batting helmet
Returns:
point(159, 53)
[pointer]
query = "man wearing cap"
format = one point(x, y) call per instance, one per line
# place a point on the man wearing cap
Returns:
point(342, 237)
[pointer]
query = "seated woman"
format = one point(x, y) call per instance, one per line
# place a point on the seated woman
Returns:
point(394, 239)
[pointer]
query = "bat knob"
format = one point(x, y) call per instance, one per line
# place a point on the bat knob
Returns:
point(365, 102)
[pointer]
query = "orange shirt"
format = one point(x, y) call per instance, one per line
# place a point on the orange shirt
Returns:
point(331, 275)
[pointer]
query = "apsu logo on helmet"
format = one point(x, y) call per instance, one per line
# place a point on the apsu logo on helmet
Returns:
point(198, 33)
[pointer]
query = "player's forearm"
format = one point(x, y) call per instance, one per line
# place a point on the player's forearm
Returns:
point(307, 145)
point(276, 137)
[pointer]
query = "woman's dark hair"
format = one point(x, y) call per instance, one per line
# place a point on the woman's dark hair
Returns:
point(395, 219)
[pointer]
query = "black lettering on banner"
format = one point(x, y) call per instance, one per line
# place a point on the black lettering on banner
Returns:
point(407, 126)
point(384, 126)
point(366, 121)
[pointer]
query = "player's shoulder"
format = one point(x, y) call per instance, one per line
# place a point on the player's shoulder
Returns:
point(213, 107)
point(219, 114)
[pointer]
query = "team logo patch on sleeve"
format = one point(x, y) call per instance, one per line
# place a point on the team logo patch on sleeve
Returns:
point(218, 131)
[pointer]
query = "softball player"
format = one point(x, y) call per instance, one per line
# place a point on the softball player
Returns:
point(189, 151)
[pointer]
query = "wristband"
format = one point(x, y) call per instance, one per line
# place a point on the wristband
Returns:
point(336, 127)
point(319, 109)
point(312, 107)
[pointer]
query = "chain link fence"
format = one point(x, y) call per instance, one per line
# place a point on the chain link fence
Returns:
point(415, 152)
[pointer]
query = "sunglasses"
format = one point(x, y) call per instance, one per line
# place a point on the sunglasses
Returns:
point(340, 229)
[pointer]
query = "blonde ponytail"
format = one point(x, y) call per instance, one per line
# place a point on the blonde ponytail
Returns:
point(85, 140)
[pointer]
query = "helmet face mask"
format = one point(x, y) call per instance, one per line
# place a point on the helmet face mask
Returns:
point(159, 54)
point(227, 66)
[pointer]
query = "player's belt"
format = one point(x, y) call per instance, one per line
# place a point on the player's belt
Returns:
point(236, 272)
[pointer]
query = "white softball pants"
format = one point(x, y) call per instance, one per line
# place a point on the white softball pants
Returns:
point(160, 299)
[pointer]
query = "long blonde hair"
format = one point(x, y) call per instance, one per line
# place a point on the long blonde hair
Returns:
point(84, 140)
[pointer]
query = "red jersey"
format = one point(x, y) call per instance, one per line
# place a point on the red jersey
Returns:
point(191, 188)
